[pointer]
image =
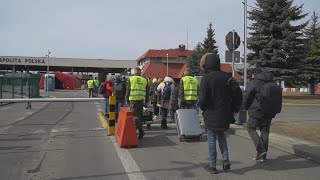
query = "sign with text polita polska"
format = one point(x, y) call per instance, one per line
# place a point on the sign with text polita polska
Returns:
point(11, 60)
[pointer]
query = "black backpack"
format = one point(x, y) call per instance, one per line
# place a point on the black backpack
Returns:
point(102, 88)
point(166, 93)
point(118, 90)
point(270, 98)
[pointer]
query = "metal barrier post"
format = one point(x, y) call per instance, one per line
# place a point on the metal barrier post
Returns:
point(1, 89)
point(112, 115)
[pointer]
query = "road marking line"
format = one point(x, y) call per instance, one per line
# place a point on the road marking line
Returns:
point(96, 103)
point(130, 166)
point(100, 110)
point(29, 113)
point(132, 169)
point(5, 108)
point(98, 106)
point(21, 118)
point(40, 131)
point(72, 130)
point(4, 130)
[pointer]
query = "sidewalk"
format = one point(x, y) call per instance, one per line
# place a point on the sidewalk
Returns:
point(305, 149)
point(291, 145)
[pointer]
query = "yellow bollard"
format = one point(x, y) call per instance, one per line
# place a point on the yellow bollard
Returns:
point(112, 115)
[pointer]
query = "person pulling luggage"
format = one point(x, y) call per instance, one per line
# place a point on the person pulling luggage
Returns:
point(189, 90)
point(137, 96)
point(164, 92)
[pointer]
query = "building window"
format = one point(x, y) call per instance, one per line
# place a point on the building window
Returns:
point(182, 59)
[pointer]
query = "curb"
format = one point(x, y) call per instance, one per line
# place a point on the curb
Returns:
point(294, 104)
point(290, 145)
point(103, 121)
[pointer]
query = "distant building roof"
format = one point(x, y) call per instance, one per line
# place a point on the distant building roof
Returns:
point(172, 53)
point(176, 70)
point(159, 70)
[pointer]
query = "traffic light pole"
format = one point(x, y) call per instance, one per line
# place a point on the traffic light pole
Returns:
point(233, 53)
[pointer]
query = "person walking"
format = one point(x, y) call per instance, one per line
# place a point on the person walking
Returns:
point(107, 93)
point(189, 90)
point(220, 98)
point(137, 96)
point(96, 84)
point(174, 100)
point(90, 86)
point(164, 91)
point(263, 100)
point(119, 91)
point(154, 98)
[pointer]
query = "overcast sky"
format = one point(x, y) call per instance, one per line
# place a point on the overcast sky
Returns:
point(115, 29)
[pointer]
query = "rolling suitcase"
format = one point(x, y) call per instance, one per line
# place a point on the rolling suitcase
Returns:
point(188, 124)
point(147, 117)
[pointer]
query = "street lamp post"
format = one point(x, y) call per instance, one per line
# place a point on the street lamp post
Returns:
point(48, 56)
point(245, 41)
point(167, 64)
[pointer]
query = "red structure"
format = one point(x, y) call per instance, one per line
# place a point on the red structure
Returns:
point(63, 81)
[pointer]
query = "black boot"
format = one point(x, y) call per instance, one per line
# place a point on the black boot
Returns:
point(141, 134)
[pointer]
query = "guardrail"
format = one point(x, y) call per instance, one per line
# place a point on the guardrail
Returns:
point(50, 100)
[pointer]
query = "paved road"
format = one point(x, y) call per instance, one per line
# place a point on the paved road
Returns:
point(300, 114)
point(65, 141)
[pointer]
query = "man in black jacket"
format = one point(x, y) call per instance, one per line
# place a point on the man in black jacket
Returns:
point(257, 117)
point(220, 98)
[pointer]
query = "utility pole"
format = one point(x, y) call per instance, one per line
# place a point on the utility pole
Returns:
point(167, 64)
point(188, 37)
point(233, 53)
point(48, 64)
point(245, 42)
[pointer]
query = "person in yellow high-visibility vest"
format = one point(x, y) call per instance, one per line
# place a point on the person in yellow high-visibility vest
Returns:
point(189, 91)
point(96, 84)
point(137, 96)
point(90, 86)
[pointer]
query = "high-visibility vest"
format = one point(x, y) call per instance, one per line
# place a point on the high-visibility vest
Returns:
point(90, 83)
point(96, 82)
point(190, 88)
point(138, 86)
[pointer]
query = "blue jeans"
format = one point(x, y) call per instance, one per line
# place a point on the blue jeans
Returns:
point(120, 103)
point(106, 105)
point(260, 142)
point(213, 136)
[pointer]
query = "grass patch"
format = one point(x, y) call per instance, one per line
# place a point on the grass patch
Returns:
point(301, 98)
point(308, 132)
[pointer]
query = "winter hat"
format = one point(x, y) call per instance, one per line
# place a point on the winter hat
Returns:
point(210, 61)
point(154, 80)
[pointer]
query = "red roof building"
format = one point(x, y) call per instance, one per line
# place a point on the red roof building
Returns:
point(176, 70)
point(154, 63)
point(178, 55)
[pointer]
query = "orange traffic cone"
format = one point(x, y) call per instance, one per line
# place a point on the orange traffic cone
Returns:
point(125, 130)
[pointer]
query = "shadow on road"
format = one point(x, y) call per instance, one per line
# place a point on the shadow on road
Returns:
point(281, 163)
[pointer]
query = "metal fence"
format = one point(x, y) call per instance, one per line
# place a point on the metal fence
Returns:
point(19, 87)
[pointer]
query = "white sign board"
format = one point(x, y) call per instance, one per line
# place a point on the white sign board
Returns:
point(11, 60)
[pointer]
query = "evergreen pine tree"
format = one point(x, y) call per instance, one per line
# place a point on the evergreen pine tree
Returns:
point(276, 42)
point(194, 60)
point(312, 61)
point(209, 43)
